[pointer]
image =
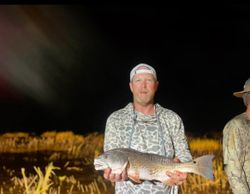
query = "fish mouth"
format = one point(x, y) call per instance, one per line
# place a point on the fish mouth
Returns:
point(100, 165)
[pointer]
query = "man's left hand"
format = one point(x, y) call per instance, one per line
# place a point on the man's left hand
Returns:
point(176, 177)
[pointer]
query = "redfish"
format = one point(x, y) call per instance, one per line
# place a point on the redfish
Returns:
point(152, 167)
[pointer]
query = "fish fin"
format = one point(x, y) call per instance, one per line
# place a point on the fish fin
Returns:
point(120, 170)
point(135, 178)
point(204, 166)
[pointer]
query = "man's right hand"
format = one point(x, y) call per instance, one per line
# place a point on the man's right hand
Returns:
point(115, 177)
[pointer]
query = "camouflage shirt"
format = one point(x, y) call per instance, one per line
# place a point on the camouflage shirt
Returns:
point(162, 133)
point(236, 153)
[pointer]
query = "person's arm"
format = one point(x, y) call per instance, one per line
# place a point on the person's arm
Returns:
point(111, 142)
point(182, 152)
point(110, 135)
point(180, 143)
point(232, 151)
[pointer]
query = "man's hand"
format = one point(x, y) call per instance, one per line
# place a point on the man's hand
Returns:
point(115, 177)
point(176, 177)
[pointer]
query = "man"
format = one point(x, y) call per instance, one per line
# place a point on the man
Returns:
point(146, 127)
point(236, 146)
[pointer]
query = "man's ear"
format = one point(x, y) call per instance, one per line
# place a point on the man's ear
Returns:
point(130, 86)
point(157, 86)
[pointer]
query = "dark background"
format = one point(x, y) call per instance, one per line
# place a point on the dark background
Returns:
point(66, 67)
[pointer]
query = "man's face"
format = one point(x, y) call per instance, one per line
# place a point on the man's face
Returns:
point(143, 87)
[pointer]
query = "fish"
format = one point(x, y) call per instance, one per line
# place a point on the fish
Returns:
point(142, 166)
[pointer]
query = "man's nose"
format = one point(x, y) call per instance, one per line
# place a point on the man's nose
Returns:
point(144, 84)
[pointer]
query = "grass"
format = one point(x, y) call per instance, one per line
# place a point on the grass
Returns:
point(75, 174)
point(198, 185)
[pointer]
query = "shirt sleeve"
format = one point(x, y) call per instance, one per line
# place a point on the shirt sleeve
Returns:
point(232, 159)
point(110, 136)
point(180, 141)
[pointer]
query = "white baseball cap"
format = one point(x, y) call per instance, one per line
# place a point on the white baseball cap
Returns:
point(142, 68)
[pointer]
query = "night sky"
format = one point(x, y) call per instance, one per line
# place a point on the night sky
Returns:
point(66, 67)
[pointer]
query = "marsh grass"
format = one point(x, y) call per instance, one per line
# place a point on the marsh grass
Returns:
point(76, 173)
point(198, 185)
point(43, 182)
point(75, 153)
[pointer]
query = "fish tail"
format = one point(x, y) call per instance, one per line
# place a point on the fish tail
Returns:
point(204, 166)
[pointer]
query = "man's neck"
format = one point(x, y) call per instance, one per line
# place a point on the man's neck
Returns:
point(148, 109)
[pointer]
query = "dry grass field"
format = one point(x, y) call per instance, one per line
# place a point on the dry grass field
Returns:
point(62, 163)
point(197, 184)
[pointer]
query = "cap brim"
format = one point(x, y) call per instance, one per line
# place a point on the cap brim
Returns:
point(240, 93)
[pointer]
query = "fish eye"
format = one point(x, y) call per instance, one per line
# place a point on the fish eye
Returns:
point(194, 162)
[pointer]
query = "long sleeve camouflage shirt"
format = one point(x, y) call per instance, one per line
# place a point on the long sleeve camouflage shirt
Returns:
point(162, 133)
point(236, 153)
